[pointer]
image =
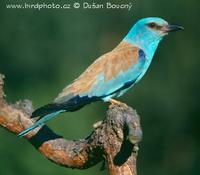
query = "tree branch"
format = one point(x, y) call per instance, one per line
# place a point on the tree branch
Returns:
point(114, 139)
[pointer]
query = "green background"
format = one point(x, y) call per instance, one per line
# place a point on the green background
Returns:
point(42, 51)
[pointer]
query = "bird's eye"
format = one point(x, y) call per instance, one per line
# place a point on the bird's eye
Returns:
point(152, 25)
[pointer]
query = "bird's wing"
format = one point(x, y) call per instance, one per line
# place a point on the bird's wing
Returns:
point(107, 74)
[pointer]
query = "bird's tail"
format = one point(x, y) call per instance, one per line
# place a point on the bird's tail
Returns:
point(40, 122)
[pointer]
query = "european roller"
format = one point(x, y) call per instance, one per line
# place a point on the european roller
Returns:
point(112, 74)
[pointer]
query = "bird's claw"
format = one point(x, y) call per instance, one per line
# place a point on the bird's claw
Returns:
point(118, 103)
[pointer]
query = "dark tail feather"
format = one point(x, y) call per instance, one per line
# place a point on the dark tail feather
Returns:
point(45, 110)
point(40, 122)
point(49, 111)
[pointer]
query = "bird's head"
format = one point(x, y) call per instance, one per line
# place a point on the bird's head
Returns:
point(148, 32)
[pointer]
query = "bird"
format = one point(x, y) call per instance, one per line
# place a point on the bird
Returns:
point(112, 74)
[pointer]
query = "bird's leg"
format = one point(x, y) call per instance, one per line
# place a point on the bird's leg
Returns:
point(115, 102)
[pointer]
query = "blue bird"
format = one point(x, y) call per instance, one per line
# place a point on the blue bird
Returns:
point(112, 74)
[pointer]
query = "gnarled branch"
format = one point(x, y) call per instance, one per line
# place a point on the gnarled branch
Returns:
point(114, 139)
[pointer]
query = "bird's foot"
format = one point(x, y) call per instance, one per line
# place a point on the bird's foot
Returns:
point(118, 103)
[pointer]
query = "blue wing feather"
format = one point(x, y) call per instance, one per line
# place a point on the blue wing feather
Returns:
point(123, 81)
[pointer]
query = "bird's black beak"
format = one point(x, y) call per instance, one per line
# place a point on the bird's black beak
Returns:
point(172, 28)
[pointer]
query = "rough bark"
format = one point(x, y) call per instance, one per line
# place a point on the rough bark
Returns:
point(114, 139)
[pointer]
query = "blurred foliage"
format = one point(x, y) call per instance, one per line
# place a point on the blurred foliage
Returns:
point(42, 51)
